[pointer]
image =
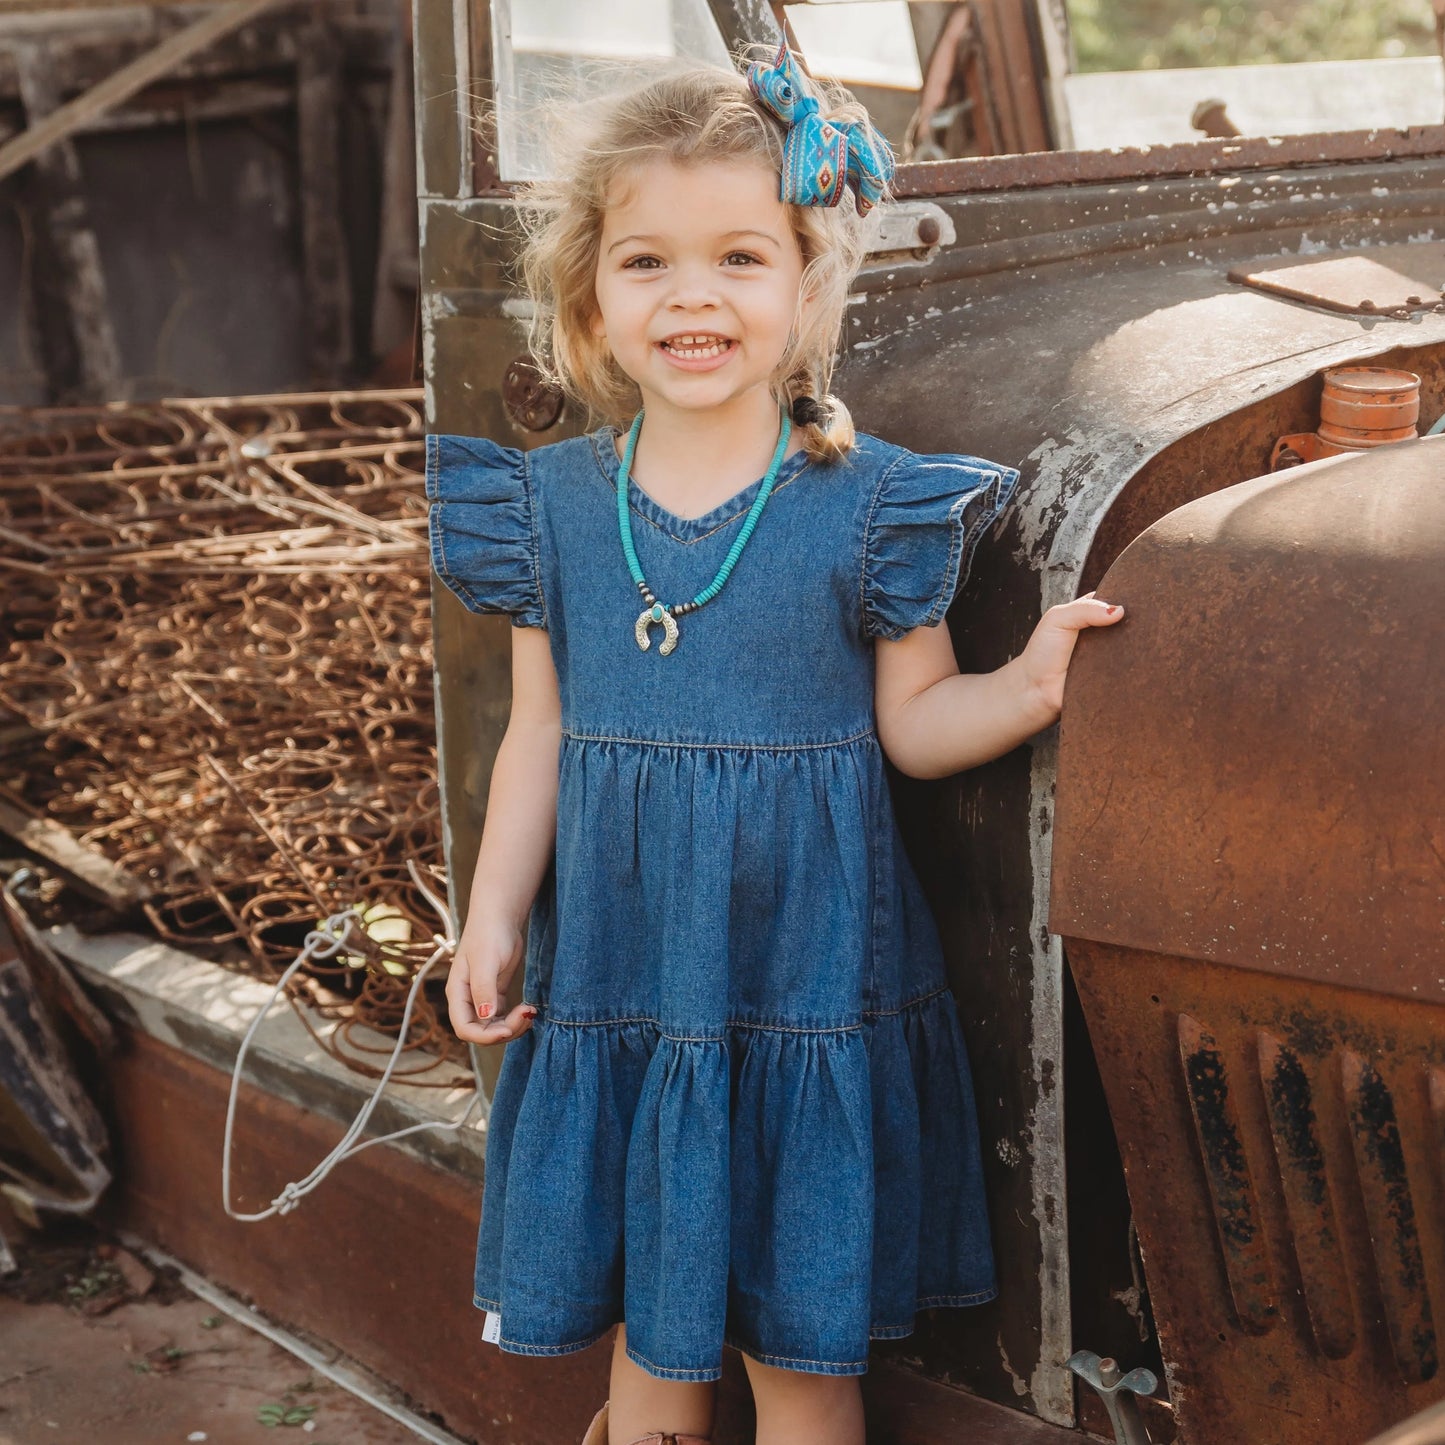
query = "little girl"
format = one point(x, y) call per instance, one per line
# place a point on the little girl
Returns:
point(736, 1107)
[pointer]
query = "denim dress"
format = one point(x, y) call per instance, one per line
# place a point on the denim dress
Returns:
point(744, 1113)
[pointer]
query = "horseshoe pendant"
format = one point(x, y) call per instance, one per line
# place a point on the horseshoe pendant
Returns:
point(656, 615)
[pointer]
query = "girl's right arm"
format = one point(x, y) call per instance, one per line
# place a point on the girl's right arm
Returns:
point(518, 838)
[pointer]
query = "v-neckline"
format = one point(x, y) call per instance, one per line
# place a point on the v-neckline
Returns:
point(692, 528)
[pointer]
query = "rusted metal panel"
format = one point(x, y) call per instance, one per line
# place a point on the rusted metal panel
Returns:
point(1198, 158)
point(1333, 572)
point(1119, 366)
point(1220, 453)
point(1354, 283)
point(1250, 882)
point(1378, 1269)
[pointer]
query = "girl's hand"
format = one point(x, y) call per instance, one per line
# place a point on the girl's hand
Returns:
point(1045, 660)
point(486, 958)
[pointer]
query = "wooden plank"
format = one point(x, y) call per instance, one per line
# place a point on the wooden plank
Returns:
point(323, 236)
point(77, 339)
point(397, 266)
point(22, 7)
point(126, 81)
point(93, 871)
point(239, 99)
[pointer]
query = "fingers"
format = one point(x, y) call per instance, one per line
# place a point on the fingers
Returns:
point(473, 985)
point(509, 1026)
point(1088, 611)
point(498, 1030)
point(472, 1009)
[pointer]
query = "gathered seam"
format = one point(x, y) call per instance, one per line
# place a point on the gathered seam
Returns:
point(581, 737)
point(648, 1019)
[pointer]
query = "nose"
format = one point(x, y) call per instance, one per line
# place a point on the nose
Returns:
point(694, 288)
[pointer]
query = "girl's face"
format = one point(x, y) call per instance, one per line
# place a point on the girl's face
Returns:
point(698, 281)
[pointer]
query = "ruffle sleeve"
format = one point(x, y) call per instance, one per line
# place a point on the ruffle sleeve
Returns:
point(482, 527)
point(926, 518)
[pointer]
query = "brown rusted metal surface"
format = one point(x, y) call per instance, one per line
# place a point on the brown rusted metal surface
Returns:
point(1249, 876)
point(1371, 1275)
point(1360, 284)
point(217, 628)
point(1333, 573)
point(1232, 449)
point(1197, 158)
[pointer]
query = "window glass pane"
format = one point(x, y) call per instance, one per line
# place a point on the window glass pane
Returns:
point(868, 43)
point(1147, 72)
point(559, 50)
point(872, 47)
point(1170, 35)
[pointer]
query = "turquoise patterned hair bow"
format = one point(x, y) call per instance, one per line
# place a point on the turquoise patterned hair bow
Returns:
point(820, 156)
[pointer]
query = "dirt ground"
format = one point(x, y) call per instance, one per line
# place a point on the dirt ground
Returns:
point(95, 1346)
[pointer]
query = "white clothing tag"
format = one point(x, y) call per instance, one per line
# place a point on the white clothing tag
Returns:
point(492, 1329)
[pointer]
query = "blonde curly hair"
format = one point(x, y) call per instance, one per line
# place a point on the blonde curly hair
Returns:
point(688, 117)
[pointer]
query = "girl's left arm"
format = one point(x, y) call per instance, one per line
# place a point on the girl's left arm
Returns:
point(934, 721)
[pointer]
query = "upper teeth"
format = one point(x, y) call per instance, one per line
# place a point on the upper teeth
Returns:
point(708, 344)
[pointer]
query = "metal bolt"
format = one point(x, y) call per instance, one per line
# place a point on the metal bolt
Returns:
point(929, 231)
point(530, 402)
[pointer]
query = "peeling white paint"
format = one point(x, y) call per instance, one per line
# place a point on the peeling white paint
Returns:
point(1019, 1383)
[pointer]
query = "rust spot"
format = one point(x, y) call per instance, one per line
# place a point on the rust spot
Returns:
point(1293, 1125)
point(1390, 1209)
point(1231, 1188)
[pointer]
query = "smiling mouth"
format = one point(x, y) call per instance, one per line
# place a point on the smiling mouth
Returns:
point(697, 347)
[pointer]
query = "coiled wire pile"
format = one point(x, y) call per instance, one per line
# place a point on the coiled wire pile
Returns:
point(217, 632)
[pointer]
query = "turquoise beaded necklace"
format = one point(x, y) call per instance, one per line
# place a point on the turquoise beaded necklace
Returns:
point(654, 614)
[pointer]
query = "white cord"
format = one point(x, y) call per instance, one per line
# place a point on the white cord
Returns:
point(340, 931)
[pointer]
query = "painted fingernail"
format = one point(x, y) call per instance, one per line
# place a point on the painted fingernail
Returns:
point(1113, 609)
point(485, 1011)
point(529, 1013)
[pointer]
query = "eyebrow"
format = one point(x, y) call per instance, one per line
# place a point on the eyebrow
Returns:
point(727, 236)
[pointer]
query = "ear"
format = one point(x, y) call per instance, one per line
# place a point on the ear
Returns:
point(595, 324)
